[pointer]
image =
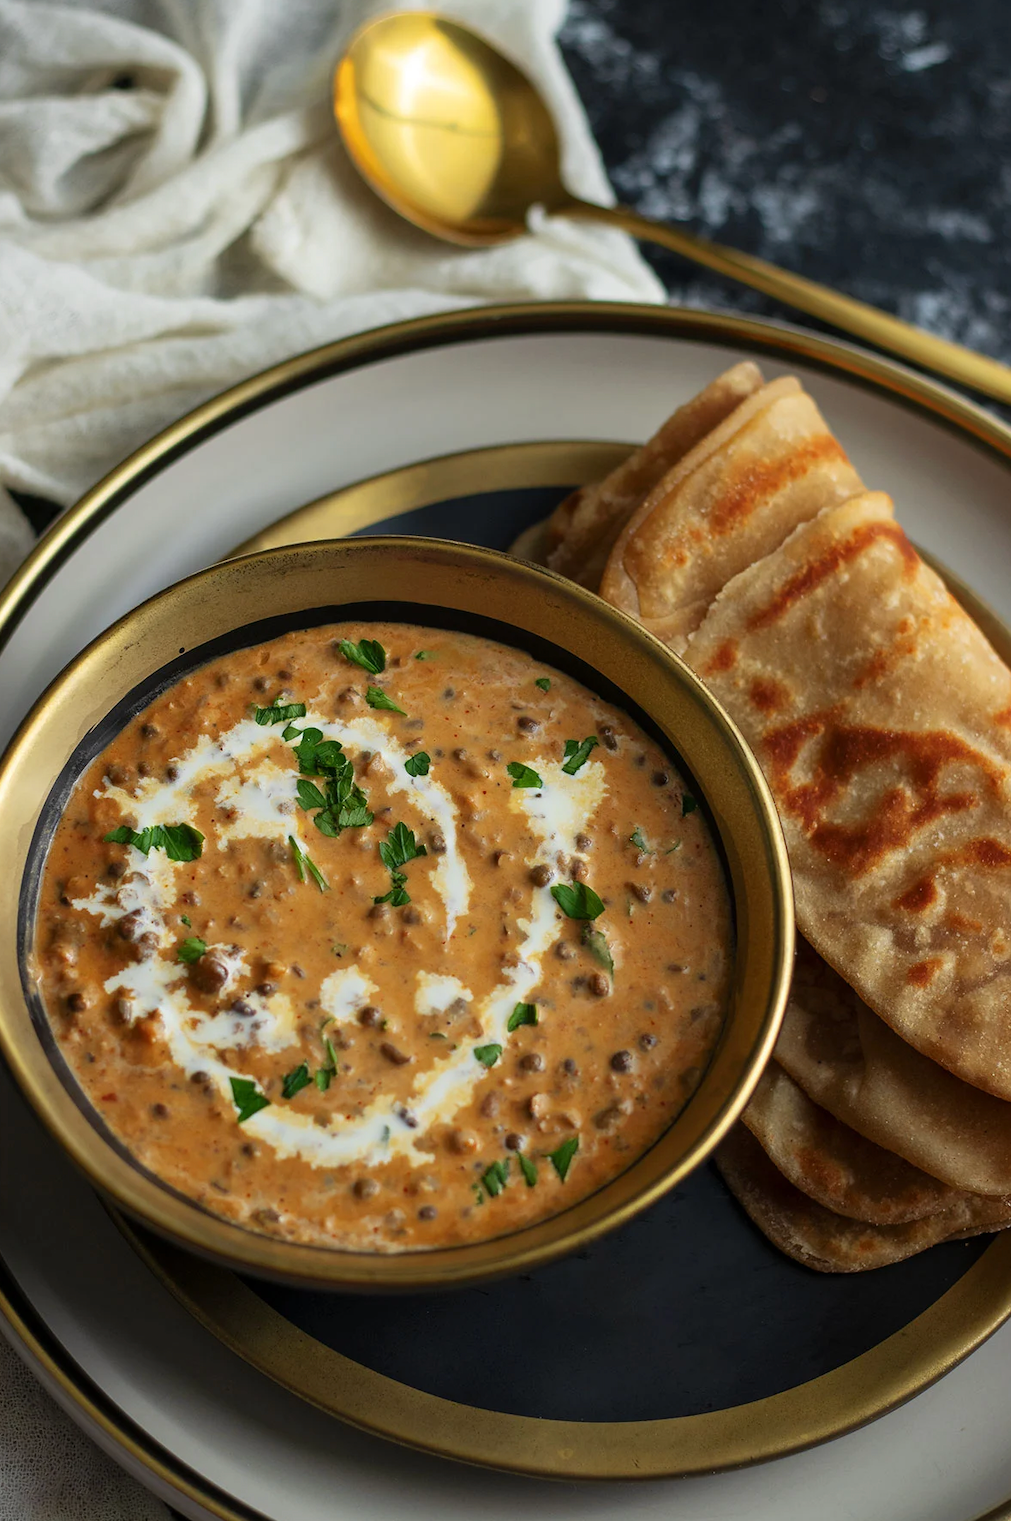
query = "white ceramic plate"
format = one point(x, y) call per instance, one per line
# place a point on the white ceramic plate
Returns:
point(214, 1436)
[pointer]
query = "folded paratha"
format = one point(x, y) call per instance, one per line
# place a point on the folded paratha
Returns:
point(849, 1062)
point(831, 1243)
point(882, 719)
point(832, 1164)
point(577, 537)
point(771, 465)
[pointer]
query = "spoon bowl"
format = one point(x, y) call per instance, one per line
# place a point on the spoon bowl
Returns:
point(448, 131)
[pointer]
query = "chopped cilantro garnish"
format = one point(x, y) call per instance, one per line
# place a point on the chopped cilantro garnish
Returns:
point(377, 698)
point(399, 847)
point(294, 1081)
point(418, 765)
point(577, 754)
point(192, 949)
point(290, 732)
point(304, 863)
point(186, 920)
point(425, 655)
point(279, 713)
point(527, 1168)
point(328, 1071)
point(577, 901)
point(340, 948)
point(544, 682)
point(523, 1014)
point(180, 842)
point(495, 1177)
point(309, 795)
point(396, 850)
point(369, 654)
point(688, 805)
point(638, 839)
point(597, 945)
point(523, 776)
point(488, 1055)
point(247, 1098)
point(561, 1160)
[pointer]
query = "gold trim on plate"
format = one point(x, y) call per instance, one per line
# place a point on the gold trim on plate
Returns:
point(986, 1299)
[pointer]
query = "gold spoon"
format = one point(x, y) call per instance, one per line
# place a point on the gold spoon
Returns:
point(454, 137)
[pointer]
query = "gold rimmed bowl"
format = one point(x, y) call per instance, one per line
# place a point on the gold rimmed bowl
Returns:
point(245, 601)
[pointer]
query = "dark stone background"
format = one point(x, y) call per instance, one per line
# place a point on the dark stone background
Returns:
point(864, 145)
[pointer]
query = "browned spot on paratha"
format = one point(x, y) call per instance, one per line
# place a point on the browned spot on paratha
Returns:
point(769, 695)
point(922, 973)
point(828, 564)
point(748, 487)
point(918, 898)
point(724, 658)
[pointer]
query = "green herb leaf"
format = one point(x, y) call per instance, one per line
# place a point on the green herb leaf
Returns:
point(309, 795)
point(294, 1081)
point(527, 1168)
point(369, 654)
point(597, 945)
point(437, 1035)
point(192, 949)
point(495, 1177)
point(418, 765)
point(304, 864)
point(488, 1055)
point(247, 1098)
point(323, 1077)
point(523, 776)
point(290, 732)
point(180, 842)
point(638, 839)
point(186, 920)
point(577, 901)
point(377, 698)
point(561, 1160)
point(340, 948)
point(425, 655)
point(544, 682)
point(523, 1014)
point(688, 805)
point(399, 847)
point(279, 713)
point(577, 754)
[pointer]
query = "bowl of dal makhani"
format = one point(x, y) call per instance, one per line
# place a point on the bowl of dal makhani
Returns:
point(385, 914)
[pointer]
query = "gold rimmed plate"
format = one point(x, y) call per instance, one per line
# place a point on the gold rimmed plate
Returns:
point(652, 1394)
point(231, 1442)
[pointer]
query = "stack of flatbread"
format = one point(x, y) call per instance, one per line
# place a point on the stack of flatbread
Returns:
point(743, 537)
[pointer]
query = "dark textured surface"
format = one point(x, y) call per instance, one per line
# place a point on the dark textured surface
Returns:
point(862, 144)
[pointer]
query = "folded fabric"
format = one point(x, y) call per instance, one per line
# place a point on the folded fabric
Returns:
point(177, 212)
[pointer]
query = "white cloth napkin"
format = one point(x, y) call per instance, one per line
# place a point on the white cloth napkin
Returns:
point(176, 213)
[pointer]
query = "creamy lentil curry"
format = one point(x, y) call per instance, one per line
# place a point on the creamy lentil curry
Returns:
point(384, 937)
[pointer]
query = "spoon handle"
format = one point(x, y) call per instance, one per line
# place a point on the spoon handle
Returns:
point(960, 364)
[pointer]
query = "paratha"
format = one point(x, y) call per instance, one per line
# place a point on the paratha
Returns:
point(882, 719)
point(831, 1243)
point(849, 1062)
point(578, 535)
point(832, 1164)
point(771, 465)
